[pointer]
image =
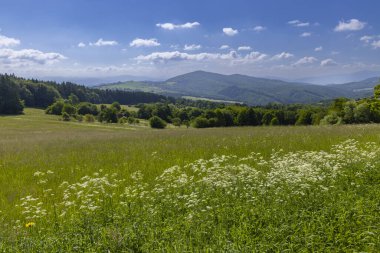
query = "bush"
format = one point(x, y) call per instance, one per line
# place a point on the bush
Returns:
point(65, 116)
point(132, 120)
point(186, 123)
point(176, 122)
point(201, 122)
point(274, 122)
point(332, 119)
point(362, 113)
point(108, 115)
point(116, 106)
point(123, 120)
point(157, 122)
point(78, 117)
point(87, 108)
point(69, 109)
point(56, 108)
point(89, 118)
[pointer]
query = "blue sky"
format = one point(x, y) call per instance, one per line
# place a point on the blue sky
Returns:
point(157, 39)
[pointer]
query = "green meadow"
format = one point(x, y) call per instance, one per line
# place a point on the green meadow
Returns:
point(92, 187)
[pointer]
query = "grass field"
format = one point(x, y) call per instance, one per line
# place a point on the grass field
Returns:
point(91, 187)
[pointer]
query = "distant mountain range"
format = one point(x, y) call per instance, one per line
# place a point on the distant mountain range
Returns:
point(247, 89)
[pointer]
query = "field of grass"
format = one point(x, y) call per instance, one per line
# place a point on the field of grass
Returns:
point(212, 100)
point(133, 85)
point(91, 187)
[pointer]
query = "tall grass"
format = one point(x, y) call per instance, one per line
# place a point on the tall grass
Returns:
point(98, 188)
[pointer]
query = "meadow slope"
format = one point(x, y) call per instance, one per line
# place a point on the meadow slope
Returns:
point(70, 184)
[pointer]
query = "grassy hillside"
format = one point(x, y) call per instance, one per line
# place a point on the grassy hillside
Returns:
point(81, 175)
point(250, 90)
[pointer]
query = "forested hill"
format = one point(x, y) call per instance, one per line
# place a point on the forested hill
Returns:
point(35, 93)
point(247, 89)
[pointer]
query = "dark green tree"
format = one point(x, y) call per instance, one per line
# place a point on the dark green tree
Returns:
point(73, 99)
point(108, 115)
point(69, 109)
point(116, 105)
point(84, 108)
point(55, 108)
point(201, 122)
point(157, 122)
point(10, 102)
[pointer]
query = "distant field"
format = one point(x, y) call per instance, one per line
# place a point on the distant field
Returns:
point(133, 85)
point(230, 211)
point(128, 107)
point(212, 100)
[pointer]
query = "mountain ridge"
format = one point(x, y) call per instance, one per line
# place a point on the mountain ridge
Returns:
point(247, 89)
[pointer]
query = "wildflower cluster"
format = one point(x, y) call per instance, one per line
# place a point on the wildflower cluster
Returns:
point(227, 202)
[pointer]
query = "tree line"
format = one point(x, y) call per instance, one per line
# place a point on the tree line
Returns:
point(180, 112)
point(16, 92)
point(337, 111)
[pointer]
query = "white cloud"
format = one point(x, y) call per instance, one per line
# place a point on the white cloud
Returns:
point(293, 22)
point(222, 47)
point(244, 48)
point(351, 25)
point(376, 44)
point(366, 38)
point(144, 43)
point(259, 28)
point(281, 56)
point(192, 47)
point(179, 56)
point(318, 49)
point(171, 26)
point(24, 56)
point(303, 24)
point(101, 43)
point(229, 31)
point(232, 57)
point(328, 62)
point(255, 57)
point(305, 60)
point(8, 42)
point(81, 44)
point(298, 23)
point(305, 34)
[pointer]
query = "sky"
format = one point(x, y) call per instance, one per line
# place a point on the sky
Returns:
point(159, 39)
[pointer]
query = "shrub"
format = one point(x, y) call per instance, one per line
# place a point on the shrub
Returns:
point(274, 122)
point(132, 120)
point(362, 113)
point(89, 118)
point(108, 115)
point(186, 123)
point(123, 120)
point(157, 122)
point(332, 119)
point(201, 122)
point(116, 105)
point(65, 116)
point(87, 108)
point(69, 109)
point(78, 117)
point(56, 108)
point(176, 122)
